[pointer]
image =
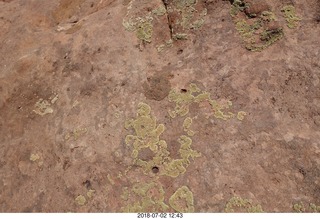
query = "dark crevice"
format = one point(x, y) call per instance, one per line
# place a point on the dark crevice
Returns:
point(165, 3)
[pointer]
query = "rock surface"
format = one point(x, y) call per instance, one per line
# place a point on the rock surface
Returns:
point(74, 71)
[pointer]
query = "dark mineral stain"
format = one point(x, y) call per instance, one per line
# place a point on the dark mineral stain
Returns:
point(157, 87)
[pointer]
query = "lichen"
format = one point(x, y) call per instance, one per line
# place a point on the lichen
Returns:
point(34, 157)
point(43, 107)
point(242, 205)
point(186, 126)
point(249, 32)
point(182, 200)
point(167, 44)
point(256, 32)
point(144, 30)
point(180, 36)
point(241, 115)
point(314, 208)
point(75, 134)
point(190, 18)
point(299, 208)
point(292, 19)
point(111, 181)
point(147, 135)
point(144, 197)
point(268, 16)
point(80, 200)
point(90, 193)
point(142, 26)
point(159, 11)
point(183, 100)
point(236, 7)
point(303, 208)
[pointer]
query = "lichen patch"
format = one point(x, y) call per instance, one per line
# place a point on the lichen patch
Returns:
point(182, 200)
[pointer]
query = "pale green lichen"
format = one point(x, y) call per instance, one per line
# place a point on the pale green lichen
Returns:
point(90, 193)
point(144, 31)
point(249, 32)
point(187, 123)
point(301, 208)
point(292, 19)
point(161, 47)
point(75, 134)
point(34, 157)
point(43, 107)
point(195, 95)
point(182, 200)
point(80, 200)
point(186, 126)
point(241, 115)
point(237, 204)
point(111, 181)
point(190, 18)
point(147, 136)
point(181, 4)
point(144, 197)
point(269, 37)
point(54, 99)
point(180, 36)
point(142, 26)
point(257, 32)
point(237, 6)
point(268, 16)
point(167, 44)
point(159, 11)
point(314, 208)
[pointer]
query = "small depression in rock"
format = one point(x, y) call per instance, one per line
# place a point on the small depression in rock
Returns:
point(155, 169)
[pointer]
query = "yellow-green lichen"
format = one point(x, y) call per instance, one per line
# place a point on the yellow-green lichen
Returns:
point(161, 47)
point(80, 200)
point(188, 16)
point(257, 32)
point(268, 16)
point(194, 95)
point(90, 193)
point(159, 11)
point(185, 150)
point(144, 197)
point(249, 35)
point(181, 4)
point(43, 107)
point(301, 208)
point(314, 208)
point(164, 46)
point(75, 134)
point(142, 26)
point(111, 181)
point(241, 115)
point(147, 136)
point(237, 204)
point(182, 200)
point(180, 36)
point(186, 126)
point(34, 157)
point(236, 7)
point(292, 19)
